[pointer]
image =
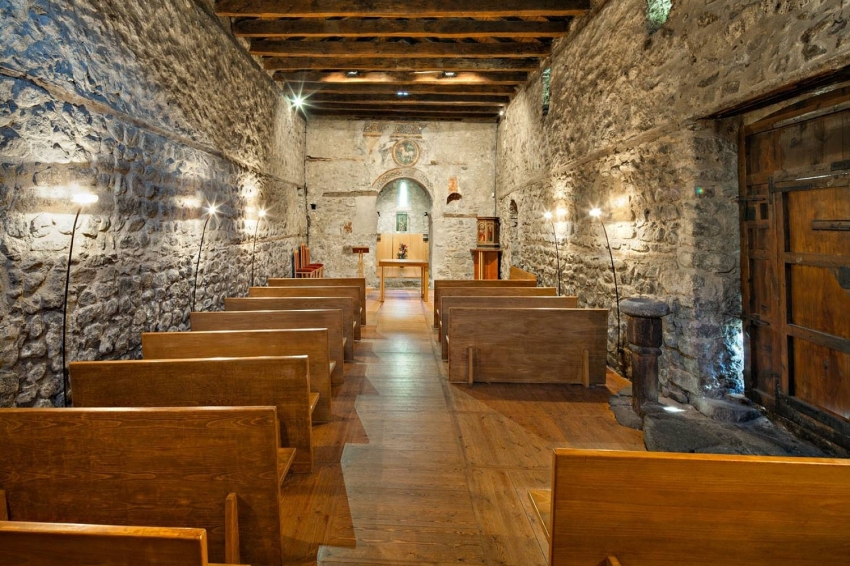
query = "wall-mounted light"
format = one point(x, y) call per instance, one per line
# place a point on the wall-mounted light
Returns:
point(212, 210)
point(81, 199)
point(597, 213)
point(260, 215)
point(560, 213)
point(502, 112)
point(297, 101)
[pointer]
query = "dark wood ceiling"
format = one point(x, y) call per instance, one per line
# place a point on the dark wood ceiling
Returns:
point(418, 59)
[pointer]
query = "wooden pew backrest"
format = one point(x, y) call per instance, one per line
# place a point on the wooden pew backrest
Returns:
point(489, 292)
point(359, 282)
point(663, 509)
point(345, 304)
point(283, 382)
point(161, 467)
point(312, 342)
point(528, 345)
point(440, 284)
point(517, 274)
point(283, 320)
point(64, 544)
point(526, 302)
point(352, 293)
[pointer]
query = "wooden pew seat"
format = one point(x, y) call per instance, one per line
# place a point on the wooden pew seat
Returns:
point(212, 468)
point(312, 342)
point(667, 509)
point(283, 382)
point(517, 274)
point(440, 284)
point(537, 345)
point(359, 282)
point(64, 544)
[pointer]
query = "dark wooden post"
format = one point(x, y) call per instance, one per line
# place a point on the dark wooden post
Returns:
point(643, 332)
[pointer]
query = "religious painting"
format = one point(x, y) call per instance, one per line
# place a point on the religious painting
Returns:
point(406, 153)
point(401, 222)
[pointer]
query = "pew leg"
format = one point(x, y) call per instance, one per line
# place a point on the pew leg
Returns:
point(585, 368)
point(470, 369)
point(4, 510)
point(231, 530)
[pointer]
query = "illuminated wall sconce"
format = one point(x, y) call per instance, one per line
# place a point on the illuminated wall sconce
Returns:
point(260, 215)
point(560, 214)
point(597, 213)
point(82, 200)
point(211, 211)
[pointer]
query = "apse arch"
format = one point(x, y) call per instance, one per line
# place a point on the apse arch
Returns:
point(410, 173)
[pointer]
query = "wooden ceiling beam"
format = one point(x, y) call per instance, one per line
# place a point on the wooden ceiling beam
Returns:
point(350, 49)
point(421, 110)
point(396, 64)
point(444, 28)
point(399, 8)
point(358, 89)
point(395, 100)
point(404, 78)
point(356, 114)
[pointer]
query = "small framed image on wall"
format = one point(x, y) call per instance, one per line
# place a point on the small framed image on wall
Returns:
point(401, 222)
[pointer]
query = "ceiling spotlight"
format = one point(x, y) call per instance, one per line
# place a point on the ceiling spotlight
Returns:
point(352, 74)
point(84, 198)
point(449, 74)
point(502, 112)
point(402, 93)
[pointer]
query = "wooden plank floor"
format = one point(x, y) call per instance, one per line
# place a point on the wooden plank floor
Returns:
point(413, 470)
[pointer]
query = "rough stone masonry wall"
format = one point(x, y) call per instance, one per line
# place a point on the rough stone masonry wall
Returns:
point(153, 107)
point(349, 162)
point(624, 133)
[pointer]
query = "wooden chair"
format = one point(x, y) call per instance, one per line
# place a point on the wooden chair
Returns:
point(312, 342)
point(283, 382)
point(528, 345)
point(440, 284)
point(449, 302)
point(665, 509)
point(284, 320)
point(349, 292)
point(63, 544)
point(359, 282)
point(302, 265)
point(213, 468)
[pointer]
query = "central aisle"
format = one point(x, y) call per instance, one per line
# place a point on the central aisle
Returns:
point(413, 470)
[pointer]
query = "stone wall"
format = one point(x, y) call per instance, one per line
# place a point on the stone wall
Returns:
point(349, 162)
point(155, 109)
point(626, 132)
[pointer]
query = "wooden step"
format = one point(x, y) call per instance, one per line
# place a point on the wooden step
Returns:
point(314, 400)
point(541, 499)
point(285, 456)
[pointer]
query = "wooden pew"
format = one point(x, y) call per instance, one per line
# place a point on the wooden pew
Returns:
point(283, 320)
point(517, 274)
point(214, 468)
point(490, 292)
point(440, 284)
point(666, 509)
point(352, 293)
point(64, 544)
point(312, 342)
point(449, 302)
point(359, 282)
point(283, 382)
point(528, 345)
point(301, 303)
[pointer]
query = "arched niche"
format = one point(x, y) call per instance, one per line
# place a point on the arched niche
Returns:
point(410, 173)
point(403, 216)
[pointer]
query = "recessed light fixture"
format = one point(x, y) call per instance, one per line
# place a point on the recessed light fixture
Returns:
point(449, 74)
point(502, 112)
point(402, 93)
point(352, 74)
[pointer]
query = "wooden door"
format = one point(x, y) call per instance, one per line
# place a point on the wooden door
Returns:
point(795, 232)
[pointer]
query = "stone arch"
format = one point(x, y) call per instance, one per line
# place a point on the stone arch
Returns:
point(405, 173)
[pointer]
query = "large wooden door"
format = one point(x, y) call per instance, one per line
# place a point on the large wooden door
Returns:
point(795, 227)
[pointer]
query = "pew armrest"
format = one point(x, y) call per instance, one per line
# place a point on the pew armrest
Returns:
point(285, 456)
point(314, 400)
point(541, 500)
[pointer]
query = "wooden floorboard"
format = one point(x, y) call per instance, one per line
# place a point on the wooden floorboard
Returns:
point(413, 470)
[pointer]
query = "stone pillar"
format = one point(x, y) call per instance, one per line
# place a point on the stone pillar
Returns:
point(643, 332)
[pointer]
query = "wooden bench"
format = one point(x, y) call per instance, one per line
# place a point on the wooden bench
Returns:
point(352, 293)
point(490, 292)
point(517, 274)
point(64, 544)
point(283, 382)
point(312, 342)
point(665, 509)
point(449, 302)
point(359, 282)
point(283, 320)
point(528, 345)
point(440, 284)
point(214, 468)
point(298, 304)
